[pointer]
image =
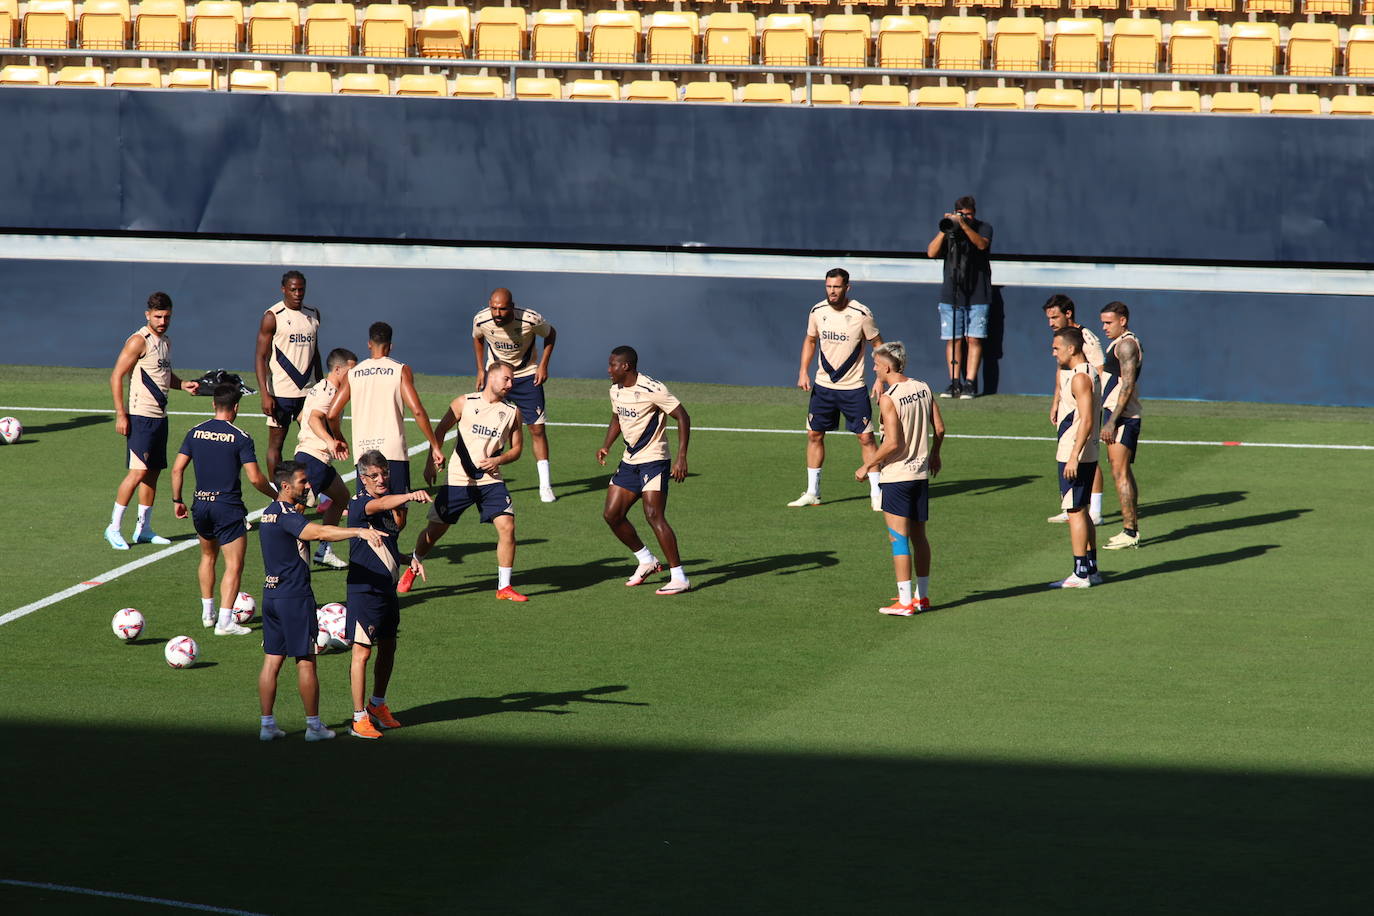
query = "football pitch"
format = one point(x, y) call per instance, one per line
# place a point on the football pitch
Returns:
point(1194, 735)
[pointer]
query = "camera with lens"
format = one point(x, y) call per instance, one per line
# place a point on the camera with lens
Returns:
point(948, 225)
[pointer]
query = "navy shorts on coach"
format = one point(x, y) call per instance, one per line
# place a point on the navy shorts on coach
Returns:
point(321, 474)
point(823, 413)
point(377, 612)
point(147, 443)
point(649, 477)
point(288, 624)
point(529, 397)
point(219, 521)
point(451, 502)
point(907, 498)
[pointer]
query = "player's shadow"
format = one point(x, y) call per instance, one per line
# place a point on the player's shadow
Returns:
point(530, 701)
point(1226, 524)
point(783, 564)
point(1196, 501)
point(569, 488)
point(70, 423)
point(455, 552)
point(546, 580)
point(982, 485)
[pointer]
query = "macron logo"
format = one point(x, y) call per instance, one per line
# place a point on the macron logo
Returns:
point(374, 370)
point(213, 437)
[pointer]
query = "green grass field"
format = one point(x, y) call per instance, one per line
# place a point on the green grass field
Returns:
point(1194, 736)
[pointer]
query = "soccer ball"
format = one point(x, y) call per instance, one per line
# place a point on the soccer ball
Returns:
point(10, 430)
point(332, 619)
point(244, 608)
point(127, 623)
point(181, 652)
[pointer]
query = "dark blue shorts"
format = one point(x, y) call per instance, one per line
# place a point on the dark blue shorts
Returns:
point(1127, 432)
point(398, 478)
point(529, 397)
point(451, 502)
point(217, 520)
point(377, 612)
point(1074, 493)
point(823, 414)
point(147, 443)
point(649, 477)
point(321, 474)
point(285, 411)
point(907, 498)
point(289, 625)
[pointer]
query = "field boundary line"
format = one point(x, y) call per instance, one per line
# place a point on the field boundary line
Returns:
point(119, 895)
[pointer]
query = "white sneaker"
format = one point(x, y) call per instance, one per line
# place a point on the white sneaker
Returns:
point(644, 571)
point(674, 587)
point(806, 499)
point(331, 559)
point(207, 619)
point(318, 734)
point(1072, 581)
point(270, 733)
point(1061, 519)
point(149, 536)
point(546, 495)
point(115, 539)
point(1122, 540)
point(875, 499)
point(234, 629)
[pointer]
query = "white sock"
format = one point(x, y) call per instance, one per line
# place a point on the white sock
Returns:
point(503, 576)
point(678, 574)
point(144, 513)
point(207, 605)
point(873, 482)
point(377, 701)
point(904, 591)
point(813, 481)
point(359, 715)
point(1095, 504)
point(226, 617)
point(269, 721)
point(644, 555)
point(542, 466)
point(117, 516)
point(313, 722)
point(923, 586)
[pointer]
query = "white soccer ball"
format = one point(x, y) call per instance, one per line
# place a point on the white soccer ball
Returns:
point(333, 622)
point(127, 623)
point(10, 430)
point(244, 607)
point(181, 652)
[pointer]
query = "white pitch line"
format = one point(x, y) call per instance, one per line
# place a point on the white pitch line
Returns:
point(137, 898)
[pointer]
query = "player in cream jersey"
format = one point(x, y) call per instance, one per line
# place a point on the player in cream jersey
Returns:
point(1121, 417)
point(1059, 312)
point(836, 331)
point(315, 449)
point(503, 333)
point(640, 408)
point(287, 361)
point(1080, 413)
point(146, 360)
point(489, 436)
point(909, 456)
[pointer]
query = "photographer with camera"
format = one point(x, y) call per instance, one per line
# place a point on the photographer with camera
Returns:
point(965, 242)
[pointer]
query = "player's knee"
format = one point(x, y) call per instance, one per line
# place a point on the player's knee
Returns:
point(867, 439)
point(612, 517)
point(815, 436)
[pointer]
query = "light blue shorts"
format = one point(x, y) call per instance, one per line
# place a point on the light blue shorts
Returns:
point(963, 321)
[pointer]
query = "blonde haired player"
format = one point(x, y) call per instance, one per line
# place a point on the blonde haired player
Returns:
point(908, 457)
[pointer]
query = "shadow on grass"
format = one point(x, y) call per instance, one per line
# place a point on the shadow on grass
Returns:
point(565, 489)
point(783, 564)
point(77, 422)
point(542, 580)
point(983, 485)
point(1226, 524)
point(530, 701)
point(1190, 503)
point(146, 641)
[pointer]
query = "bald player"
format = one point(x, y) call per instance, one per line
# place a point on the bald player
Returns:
point(501, 332)
point(1121, 417)
point(1059, 312)
point(315, 449)
point(147, 357)
point(287, 361)
point(1080, 413)
point(380, 388)
point(838, 329)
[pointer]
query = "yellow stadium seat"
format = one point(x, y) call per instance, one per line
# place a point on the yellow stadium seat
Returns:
point(844, 41)
point(384, 30)
point(1134, 47)
point(273, 28)
point(1269, 6)
point(430, 84)
point(216, 25)
point(1035, 4)
point(615, 36)
point(500, 33)
point(535, 87)
point(557, 35)
point(902, 42)
point(703, 91)
point(1176, 101)
point(160, 25)
point(245, 80)
point(80, 77)
point(876, 95)
point(364, 84)
point(829, 94)
point(729, 38)
point(1076, 46)
point(307, 81)
point(1352, 105)
point(959, 43)
point(1313, 48)
point(443, 31)
point(49, 24)
point(479, 87)
point(1018, 43)
point(1094, 4)
point(105, 25)
point(1118, 100)
point(767, 93)
point(1253, 49)
point(673, 38)
point(1193, 46)
point(1359, 51)
point(20, 75)
point(786, 39)
point(328, 28)
point(941, 97)
point(9, 22)
point(1308, 103)
point(985, 4)
point(191, 78)
point(650, 90)
point(934, 4)
point(1059, 100)
point(1235, 103)
point(1167, 6)
point(1329, 7)
point(589, 90)
point(1219, 6)
point(136, 78)
point(1013, 97)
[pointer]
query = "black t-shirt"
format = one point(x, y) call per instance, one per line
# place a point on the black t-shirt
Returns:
point(972, 266)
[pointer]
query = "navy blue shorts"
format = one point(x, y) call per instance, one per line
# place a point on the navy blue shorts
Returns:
point(321, 474)
point(377, 612)
point(217, 520)
point(285, 411)
point(1074, 493)
point(451, 502)
point(147, 443)
point(907, 498)
point(397, 478)
point(1127, 432)
point(649, 477)
point(823, 414)
point(289, 625)
point(529, 397)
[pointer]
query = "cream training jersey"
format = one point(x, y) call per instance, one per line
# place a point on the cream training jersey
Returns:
point(1092, 352)
point(1069, 420)
point(318, 398)
point(513, 342)
point(643, 410)
point(152, 375)
point(484, 430)
point(912, 399)
point(840, 336)
point(1111, 391)
point(378, 412)
point(293, 349)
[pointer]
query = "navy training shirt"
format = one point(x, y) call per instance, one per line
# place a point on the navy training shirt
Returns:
point(285, 557)
point(218, 449)
point(366, 566)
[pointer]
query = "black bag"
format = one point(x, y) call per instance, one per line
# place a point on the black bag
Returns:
point(216, 377)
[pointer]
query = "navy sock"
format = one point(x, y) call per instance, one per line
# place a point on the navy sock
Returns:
point(1131, 532)
point(1092, 562)
point(1080, 567)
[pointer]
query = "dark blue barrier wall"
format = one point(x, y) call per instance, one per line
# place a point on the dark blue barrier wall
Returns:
point(1109, 187)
